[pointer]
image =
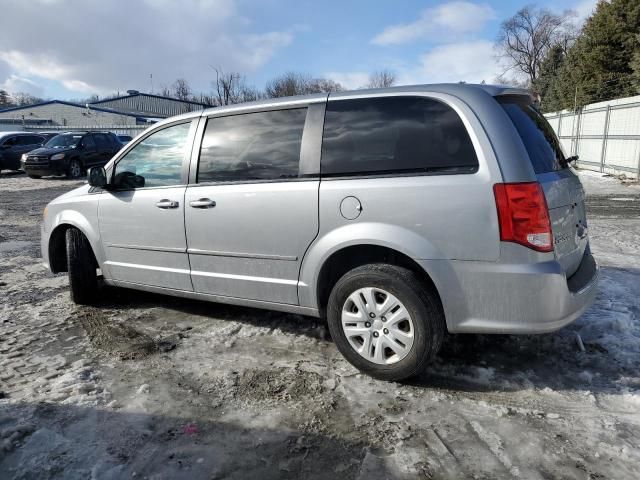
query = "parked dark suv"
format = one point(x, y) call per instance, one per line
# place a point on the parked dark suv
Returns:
point(71, 153)
point(14, 144)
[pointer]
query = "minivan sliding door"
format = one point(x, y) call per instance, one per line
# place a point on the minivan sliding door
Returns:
point(251, 208)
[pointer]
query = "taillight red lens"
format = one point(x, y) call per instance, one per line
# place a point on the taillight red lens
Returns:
point(523, 215)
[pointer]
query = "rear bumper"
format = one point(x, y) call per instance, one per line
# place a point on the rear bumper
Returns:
point(481, 297)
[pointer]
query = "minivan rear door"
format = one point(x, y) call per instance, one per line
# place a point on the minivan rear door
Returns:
point(563, 191)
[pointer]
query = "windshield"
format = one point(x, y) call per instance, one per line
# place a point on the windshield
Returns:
point(63, 141)
point(539, 139)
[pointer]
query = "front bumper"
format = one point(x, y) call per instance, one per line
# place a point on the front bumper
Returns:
point(50, 167)
point(483, 297)
point(44, 245)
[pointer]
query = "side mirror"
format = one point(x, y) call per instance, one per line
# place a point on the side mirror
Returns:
point(97, 177)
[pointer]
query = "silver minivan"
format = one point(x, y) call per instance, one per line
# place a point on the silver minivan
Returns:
point(398, 214)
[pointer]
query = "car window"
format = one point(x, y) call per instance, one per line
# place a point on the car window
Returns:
point(394, 134)
point(545, 152)
point(101, 141)
point(23, 140)
point(89, 143)
point(252, 146)
point(156, 161)
point(64, 141)
point(10, 142)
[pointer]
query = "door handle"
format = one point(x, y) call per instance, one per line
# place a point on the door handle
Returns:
point(202, 203)
point(165, 203)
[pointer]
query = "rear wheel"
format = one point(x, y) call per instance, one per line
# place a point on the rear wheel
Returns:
point(385, 321)
point(83, 278)
point(74, 170)
point(33, 176)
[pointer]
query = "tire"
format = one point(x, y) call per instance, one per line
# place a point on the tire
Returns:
point(423, 325)
point(74, 170)
point(34, 176)
point(83, 278)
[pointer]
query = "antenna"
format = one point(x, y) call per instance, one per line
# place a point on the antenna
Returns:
point(151, 79)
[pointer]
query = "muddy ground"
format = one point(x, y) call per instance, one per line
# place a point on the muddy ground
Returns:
point(156, 387)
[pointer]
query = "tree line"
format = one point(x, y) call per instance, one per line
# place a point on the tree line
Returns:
point(232, 87)
point(229, 88)
point(570, 67)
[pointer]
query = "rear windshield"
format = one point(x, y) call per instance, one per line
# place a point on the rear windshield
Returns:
point(537, 135)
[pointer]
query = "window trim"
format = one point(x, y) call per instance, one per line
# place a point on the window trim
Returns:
point(415, 172)
point(184, 171)
point(310, 145)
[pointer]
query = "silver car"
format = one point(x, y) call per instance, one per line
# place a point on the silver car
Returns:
point(398, 214)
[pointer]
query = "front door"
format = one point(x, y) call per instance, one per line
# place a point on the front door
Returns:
point(142, 216)
point(253, 211)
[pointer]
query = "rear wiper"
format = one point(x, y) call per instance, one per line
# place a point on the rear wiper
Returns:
point(573, 158)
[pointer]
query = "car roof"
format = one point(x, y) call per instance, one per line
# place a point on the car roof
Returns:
point(6, 134)
point(468, 91)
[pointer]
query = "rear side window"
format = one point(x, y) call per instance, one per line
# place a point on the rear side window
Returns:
point(101, 141)
point(394, 134)
point(89, 143)
point(29, 140)
point(537, 135)
point(252, 146)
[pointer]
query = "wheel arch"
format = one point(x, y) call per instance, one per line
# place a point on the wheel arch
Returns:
point(375, 241)
point(56, 245)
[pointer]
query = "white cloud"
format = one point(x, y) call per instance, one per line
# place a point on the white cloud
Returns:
point(465, 61)
point(349, 80)
point(584, 9)
point(15, 84)
point(471, 62)
point(106, 46)
point(445, 20)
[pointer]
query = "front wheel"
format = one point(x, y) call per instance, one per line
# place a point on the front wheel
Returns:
point(385, 321)
point(83, 278)
point(74, 170)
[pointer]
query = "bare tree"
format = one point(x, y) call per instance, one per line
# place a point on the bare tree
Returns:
point(21, 99)
point(231, 87)
point(181, 89)
point(381, 79)
point(294, 83)
point(323, 85)
point(166, 91)
point(524, 39)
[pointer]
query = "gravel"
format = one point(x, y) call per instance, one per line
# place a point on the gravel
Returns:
point(148, 386)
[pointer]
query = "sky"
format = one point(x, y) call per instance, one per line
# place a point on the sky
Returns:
point(69, 49)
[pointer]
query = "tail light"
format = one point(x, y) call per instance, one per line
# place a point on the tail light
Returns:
point(523, 215)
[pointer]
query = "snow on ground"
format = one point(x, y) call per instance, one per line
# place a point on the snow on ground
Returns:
point(148, 386)
point(596, 183)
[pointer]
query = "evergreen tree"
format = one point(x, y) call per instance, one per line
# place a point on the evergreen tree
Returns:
point(5, 100)
point(603, 63)
point(547, 85)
